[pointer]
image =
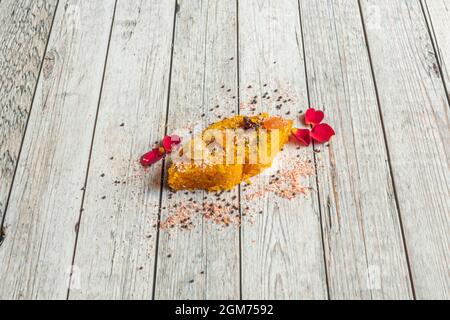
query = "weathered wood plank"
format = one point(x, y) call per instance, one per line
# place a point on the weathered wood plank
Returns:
point(437, 13)
point(36, 256)
point(363, 241)
point(415, 113)
point(282, 254)
point(25, 27)
point(202, 263)
point(116, 244)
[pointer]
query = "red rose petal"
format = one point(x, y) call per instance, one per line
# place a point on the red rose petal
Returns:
point(158, 153)
point(152, 157)
point(322, 133)
point(167, 143)
point(313, 116)
point(175, 139)
point(302, 135)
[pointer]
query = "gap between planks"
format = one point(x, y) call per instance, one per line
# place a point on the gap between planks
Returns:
point(410, 91)
point(322, 236)
point(37, 220)
point(442, 63)
point(30, 108)
point(413, 291)
point(90, 150)
point(163, 171)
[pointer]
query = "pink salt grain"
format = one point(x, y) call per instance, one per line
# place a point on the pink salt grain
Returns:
point(287, 184)
point(182, 217)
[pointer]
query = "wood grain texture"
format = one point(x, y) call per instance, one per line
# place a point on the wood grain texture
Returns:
point(116, 245)
point(415, 111)
point(363, 241)
point(438, 16)
point(282, 254)
point(202, 263)
point(36, 256)
point(24, 32)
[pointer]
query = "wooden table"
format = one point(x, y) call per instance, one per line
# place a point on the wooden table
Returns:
point(87, 86)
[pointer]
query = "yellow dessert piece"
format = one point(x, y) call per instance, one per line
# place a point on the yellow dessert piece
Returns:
point(228, 152)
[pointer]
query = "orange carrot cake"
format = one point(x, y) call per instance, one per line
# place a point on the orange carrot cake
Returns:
point(229, 152)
